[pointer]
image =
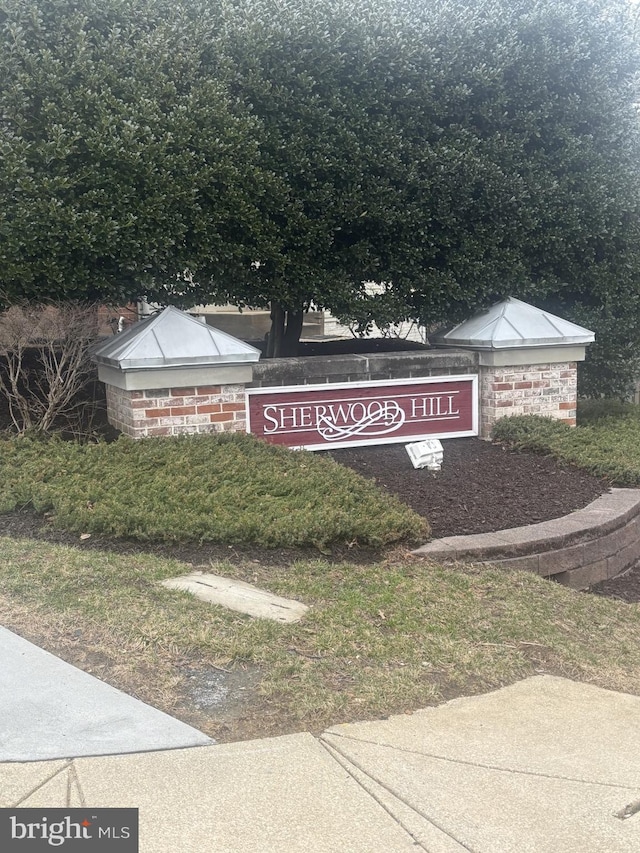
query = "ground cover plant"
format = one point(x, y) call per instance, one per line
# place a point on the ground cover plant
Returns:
point(382, 638)
point(606, 441)
point(227, 488)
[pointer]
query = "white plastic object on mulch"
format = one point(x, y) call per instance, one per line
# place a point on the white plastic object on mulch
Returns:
point(426, 454)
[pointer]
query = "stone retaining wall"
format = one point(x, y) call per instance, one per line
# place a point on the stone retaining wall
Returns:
point(583, 548)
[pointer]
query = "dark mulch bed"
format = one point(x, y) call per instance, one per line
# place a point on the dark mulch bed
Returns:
point(482, 487)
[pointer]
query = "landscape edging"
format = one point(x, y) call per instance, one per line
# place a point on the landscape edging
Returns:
point(580, 549)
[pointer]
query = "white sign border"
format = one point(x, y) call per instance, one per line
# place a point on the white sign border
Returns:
point(374, 383)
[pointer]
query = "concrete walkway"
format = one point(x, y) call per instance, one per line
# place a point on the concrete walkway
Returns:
point(543, 765)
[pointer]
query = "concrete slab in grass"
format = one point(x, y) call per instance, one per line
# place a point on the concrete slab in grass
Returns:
point(50, 709)
point(282, 794)
point(239, 596)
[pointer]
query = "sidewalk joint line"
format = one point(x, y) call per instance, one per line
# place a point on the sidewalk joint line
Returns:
point(53, 775)
point(478, 764)
point(75, 779)
point(330, 748)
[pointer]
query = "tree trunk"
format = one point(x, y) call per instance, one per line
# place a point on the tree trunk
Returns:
point(293, 332)
point(284, 335)
point(276, 332)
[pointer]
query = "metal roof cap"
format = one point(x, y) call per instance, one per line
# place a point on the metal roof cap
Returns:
point(172, 338)
point(513, 324)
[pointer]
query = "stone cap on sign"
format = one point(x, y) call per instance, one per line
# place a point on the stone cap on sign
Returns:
point(172, 339)
point(513, 324)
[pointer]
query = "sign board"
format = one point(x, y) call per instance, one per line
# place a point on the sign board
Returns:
point(319, 417)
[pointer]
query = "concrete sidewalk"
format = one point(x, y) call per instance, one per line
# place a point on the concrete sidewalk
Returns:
point(543, 765)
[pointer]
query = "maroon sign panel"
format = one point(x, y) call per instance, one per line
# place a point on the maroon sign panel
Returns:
point(318, 417)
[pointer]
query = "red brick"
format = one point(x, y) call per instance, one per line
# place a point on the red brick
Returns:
point(208, 389)
point(567, 405)
point(209, 409)
point(502, 386)
point(504, 403)
point(139, 404)
point(158, 413)
point(183, 392)
point(183, 410)
point(136, 395)
point(523, 385)
point(567, 374)
point(569, 421)
point(223, 416)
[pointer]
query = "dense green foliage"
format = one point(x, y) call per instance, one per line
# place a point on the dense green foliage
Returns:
point(282, 154)
point(122, 163)
point(232, 489)
point(606, 443)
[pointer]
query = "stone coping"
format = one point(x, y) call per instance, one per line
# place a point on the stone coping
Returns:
point(606, 514)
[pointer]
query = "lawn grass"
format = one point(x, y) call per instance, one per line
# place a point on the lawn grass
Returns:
point(228, 488)
point(606, 441)
point(379, 639)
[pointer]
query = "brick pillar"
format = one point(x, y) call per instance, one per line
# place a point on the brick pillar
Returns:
point(177, 411)
point(550, 390)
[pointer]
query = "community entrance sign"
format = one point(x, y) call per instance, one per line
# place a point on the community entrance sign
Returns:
point(318, 417)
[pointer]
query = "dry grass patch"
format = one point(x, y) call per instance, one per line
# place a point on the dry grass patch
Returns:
point(379, 639)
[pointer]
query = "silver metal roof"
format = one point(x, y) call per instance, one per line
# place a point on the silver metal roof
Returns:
point(513, 323)
point(171, 339)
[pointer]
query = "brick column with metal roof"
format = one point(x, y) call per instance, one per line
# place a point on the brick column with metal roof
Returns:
point(528, 361)
point(173, 374)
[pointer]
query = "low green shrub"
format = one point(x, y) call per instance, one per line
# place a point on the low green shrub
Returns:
point(529, 432)
point(228, 488)
point(606, 446)
point(590, 411)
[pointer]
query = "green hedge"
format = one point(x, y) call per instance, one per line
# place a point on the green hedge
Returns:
point(229, 488)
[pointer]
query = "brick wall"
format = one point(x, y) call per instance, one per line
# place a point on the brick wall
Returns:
point(540, 389)
point(173, 411)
